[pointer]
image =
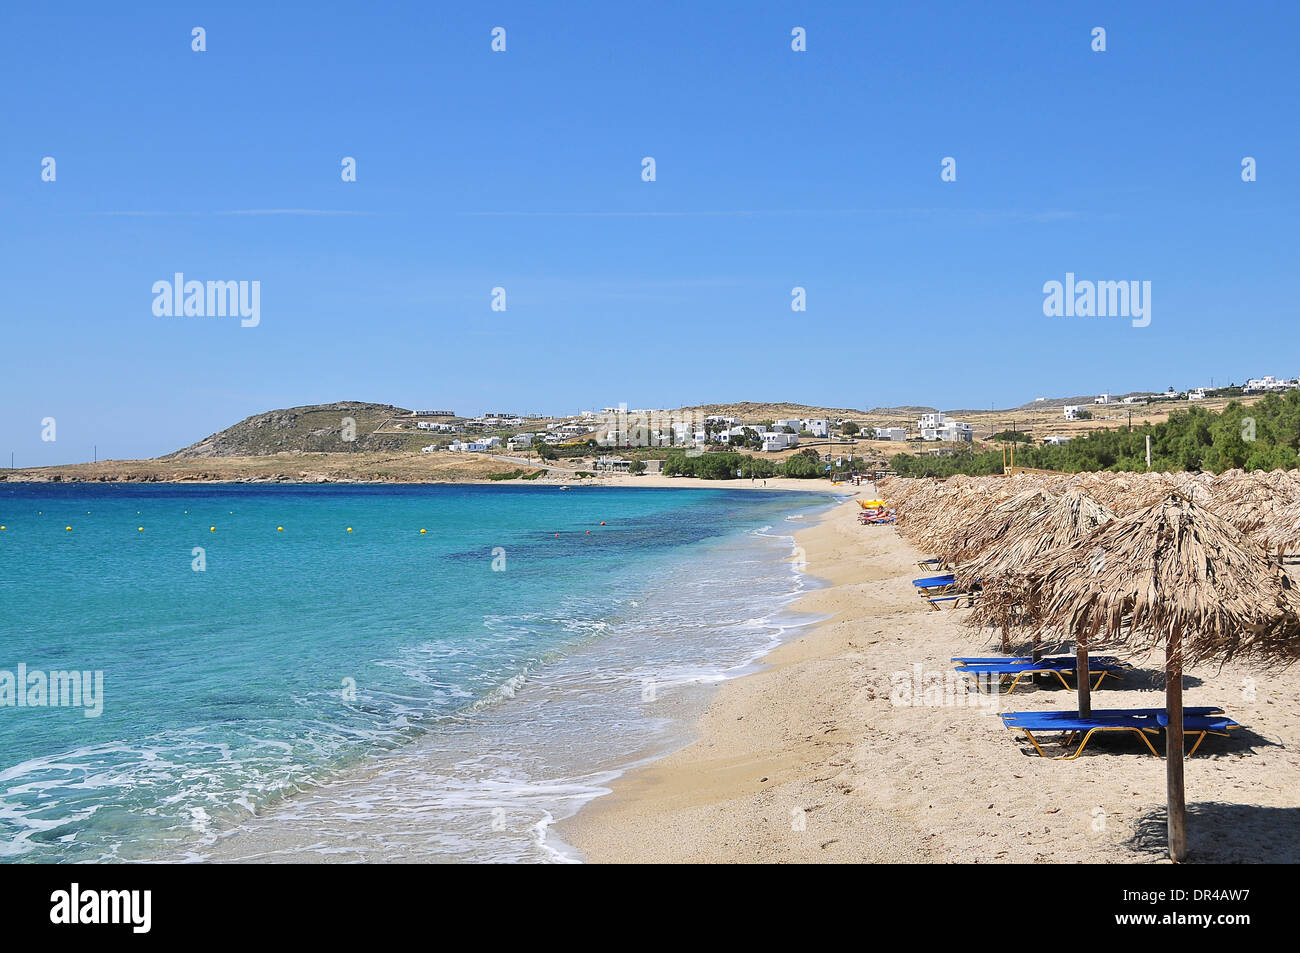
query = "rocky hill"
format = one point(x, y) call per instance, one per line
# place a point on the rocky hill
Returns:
point(315, 428)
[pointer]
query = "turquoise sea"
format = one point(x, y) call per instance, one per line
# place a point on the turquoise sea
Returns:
point(278, 688)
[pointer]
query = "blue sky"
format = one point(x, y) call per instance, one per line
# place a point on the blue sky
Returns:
point(522, 169)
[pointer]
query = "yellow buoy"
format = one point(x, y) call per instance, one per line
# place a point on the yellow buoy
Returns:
point(67, 527)
point(139, 529)
point(1, 527)
point(212, 529)
point(279, 529)
point(349, 529)
point(421, 531)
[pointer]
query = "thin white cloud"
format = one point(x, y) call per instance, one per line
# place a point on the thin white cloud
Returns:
point(134, 213)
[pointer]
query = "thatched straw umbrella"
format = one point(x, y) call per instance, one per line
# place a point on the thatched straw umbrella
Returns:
point(1010, 570)
point(1177, 575)
point(1250, 501)
point(1008, 519)
point(1281, 534)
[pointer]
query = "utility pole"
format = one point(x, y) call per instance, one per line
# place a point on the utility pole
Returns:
point(96, 453)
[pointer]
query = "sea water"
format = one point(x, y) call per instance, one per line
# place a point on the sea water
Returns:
point(299, 673)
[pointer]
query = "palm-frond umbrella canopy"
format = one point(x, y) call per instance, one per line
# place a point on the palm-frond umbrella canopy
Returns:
point(1008, 519)
point(1281, 534)
point(1251, 501)
point(1011, 570)
point(1174, 575)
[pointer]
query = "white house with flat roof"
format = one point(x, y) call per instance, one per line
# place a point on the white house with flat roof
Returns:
point(1071, 411)
point(1266, 383)
point(1101, 399)
point(779, 440)
point(951, 431)
point(931, 421)
point(890, 433)
point(816, 426)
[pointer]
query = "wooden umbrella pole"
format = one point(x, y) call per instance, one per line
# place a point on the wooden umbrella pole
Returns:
point(1006, 640)
point(1177, 801)
point(1083, 676)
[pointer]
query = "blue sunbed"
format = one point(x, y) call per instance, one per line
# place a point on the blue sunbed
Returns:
point(1066, 661)
point(1059, 667)
point(1197, 721)
point(935, 582)
point(1138, 721)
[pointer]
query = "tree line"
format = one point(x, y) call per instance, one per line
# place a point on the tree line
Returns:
point(1263, 436)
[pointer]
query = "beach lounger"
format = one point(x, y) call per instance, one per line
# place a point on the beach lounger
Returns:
point(932, 585)
point(1200, 725)
point(931, 564)
point(880, 520)
point(1016, 670)
point(1046, 659)
point(955, 599)
point(1138, 721)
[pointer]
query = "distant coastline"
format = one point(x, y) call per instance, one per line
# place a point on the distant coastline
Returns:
point(387, 469)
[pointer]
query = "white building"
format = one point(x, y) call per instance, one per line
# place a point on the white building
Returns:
point(1071, 411)
point(437, 428)
point(1197, 394)
point(931, 421)
point(779, 440)
point(571, 430)
point(792, 424)
point(429, 449)
point(891, 433)
point(520, 441)
point(816, 426)
point(1057, 441)
point(952, 431)
point(735, 434)
point(1101, 399)
point(1268, 382)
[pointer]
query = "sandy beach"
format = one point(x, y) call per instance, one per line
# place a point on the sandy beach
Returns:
point(856, 744)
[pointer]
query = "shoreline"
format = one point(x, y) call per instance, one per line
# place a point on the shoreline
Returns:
point(814, 758)
point(782, 484)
